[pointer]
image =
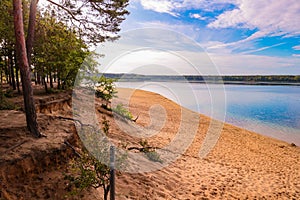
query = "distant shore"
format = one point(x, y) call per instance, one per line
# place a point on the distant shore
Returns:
point(210, 79)
point(217, 82)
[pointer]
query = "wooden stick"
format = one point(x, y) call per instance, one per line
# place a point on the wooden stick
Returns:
point(15, 146)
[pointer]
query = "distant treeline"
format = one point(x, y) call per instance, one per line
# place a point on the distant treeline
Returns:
point(258, 79)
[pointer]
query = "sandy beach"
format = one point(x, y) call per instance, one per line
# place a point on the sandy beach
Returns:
point(199, 158)
point(242, 164)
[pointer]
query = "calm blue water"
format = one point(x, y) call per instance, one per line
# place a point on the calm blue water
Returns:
point(270, 110)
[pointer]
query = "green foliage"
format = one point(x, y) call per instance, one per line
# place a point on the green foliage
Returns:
point(153, 156)
point(105, 125)
point(95, 21)
point(121, 110)
point(4, 103)
point(9, 93)
point(58, 51)
point(105, 88)
point(150, 153)
point(88, 171)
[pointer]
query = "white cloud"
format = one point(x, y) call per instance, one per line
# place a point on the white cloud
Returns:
point(173, 6)
point(279, 17)
point(185, 29)
point(232, 18)
point(296, 47)
point(241, 45)
point(268, 17)
point(197, 16)
point(161, 6)
point(262, 48)
point(296, 55)
point(149, 61)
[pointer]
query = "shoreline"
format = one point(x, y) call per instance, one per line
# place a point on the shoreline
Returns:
point(261, 129)
point(242, 164)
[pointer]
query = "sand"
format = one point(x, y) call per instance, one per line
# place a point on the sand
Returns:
point(242, 164)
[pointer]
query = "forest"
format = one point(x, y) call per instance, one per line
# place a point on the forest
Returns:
point(62, 39)
point(47, 43)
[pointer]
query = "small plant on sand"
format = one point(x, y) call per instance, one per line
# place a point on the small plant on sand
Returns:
point(121, 110)
point(150, 153)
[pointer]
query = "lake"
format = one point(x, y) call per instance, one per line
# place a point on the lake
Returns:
point(269, 110)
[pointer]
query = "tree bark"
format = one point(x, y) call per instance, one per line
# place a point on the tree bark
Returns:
point(31, 117)
point(8, 70)
point(12, 73)
point(38, 75)
point(17, 72)
point(31, 29)
point(51, 80)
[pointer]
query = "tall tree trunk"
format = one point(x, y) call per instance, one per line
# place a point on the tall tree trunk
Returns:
point(8, 71)
point(35, 77)
point(1, 79)
point(58, 80)
point(31, 29)
point(31, 117)
point(17, 72)
point(44, 81)
point(38, 77)
point(51, 79)
point(45, 84)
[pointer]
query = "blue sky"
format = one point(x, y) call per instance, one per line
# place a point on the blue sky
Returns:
point(238, 36)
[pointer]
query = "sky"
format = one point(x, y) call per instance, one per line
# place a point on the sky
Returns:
point(226, 37)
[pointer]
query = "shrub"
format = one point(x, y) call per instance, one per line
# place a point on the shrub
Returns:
point(105, 88)
point(5, 104)
point(121, 110)
point(87, 170)
point(151, 154)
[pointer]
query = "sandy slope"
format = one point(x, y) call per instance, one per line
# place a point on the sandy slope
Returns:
point(242, 165)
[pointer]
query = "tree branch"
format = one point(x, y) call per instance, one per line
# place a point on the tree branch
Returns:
point(65, 9)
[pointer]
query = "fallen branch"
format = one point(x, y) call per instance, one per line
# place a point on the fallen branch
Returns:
point(69, 145)
point(142, 149)
point(134, 120)
point(15, 146)
point(75, 120)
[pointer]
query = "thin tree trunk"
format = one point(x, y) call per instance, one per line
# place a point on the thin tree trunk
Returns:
point(31, 117)
point(18, 80)
point(8, 71)
point(17, 73)
point(45, 83)
point(35, 77)
point(58, 80)
point(38, 77)
point(12, 73)
point(51, 79)
point(1, 78)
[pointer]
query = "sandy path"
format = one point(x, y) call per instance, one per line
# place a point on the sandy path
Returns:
point(242, 165)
